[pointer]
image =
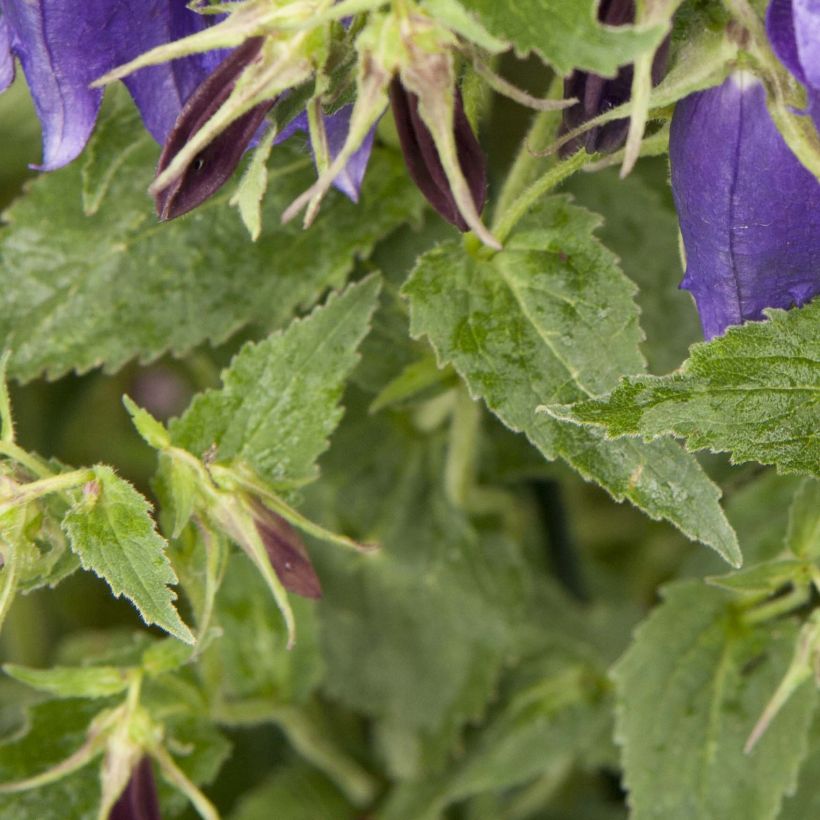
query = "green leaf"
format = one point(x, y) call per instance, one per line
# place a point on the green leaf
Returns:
point(80, 291)
point(53, 731)
point(565, 33)
point(440, 596)
point(250, 659)
point(528, 326)
point(641, 227)
point(766, 578)
point(73, 682)
point(280, 398)
point(553, 711)
point(111, 531)
point(805, 801)
point(753, 393)
point(690, 690)
point(803, 536)
point(298, 793)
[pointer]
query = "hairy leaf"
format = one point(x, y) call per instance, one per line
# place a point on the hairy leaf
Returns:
point(80, 291)
point(754, 393)
point(690, 690)
point(565, 33)
point(552, 316)
point(113, 535)
point(280, 398)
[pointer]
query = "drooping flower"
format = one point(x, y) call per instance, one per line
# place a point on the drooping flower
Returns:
point(596, 95)
point(63, 47)
point(749, 211)
point(793, 27)
point(139, 799)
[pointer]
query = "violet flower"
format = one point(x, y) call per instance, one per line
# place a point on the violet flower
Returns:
point(749, 211)
point(64, 46)
point(596, 95)
point(139, 799)
point(794, 32)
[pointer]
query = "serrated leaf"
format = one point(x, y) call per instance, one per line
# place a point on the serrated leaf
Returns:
point(803, 535)
point(690, 690)
point(280, 398)
point(565, 33)
point(73, 682)
point(531, 323)
point(82, 291)
point(113, 535)
point(754, 393)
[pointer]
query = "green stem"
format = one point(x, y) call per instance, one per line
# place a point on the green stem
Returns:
point(459, 471)
point(527, 163)
point(10, 573)
point(309, 738)
point(779, 606)
point(33, 464)
point(176, 777)
point(37, 489)
point(545, 183)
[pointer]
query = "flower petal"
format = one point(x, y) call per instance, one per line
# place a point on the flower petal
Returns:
point(807, 31)
point(749, 211)
point(780, 28)
point(6, 57)
point(337, 125)
point(139, 800)
point(64, 46)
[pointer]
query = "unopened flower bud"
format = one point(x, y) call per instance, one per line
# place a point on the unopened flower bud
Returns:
point(213, 165)
point(287, 554)
point(596, 95)
point(139, 800)
point(422, 159)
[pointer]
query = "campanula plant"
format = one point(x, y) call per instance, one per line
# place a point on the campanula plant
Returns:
point(435, 501)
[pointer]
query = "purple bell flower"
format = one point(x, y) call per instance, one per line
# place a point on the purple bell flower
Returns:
point(64, 46)
point(793, 27)
point(749, 211)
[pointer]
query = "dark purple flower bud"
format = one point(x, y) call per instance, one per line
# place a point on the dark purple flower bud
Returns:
point(422, 159)
point(749, 211)
point(794, 32)
point(139, 800)
point(287, 554)
point(596, 95)
point(64, 46)
point(213, 166)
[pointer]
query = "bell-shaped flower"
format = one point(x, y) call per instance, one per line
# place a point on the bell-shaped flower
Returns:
point(64, 46)
point(749, 211)
point(793, 27)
